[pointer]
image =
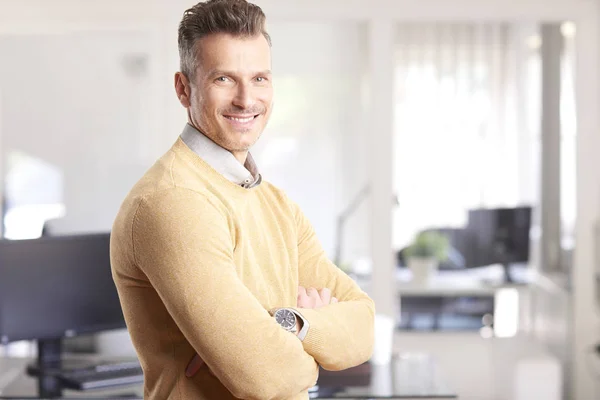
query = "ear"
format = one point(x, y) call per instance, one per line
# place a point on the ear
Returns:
point(183, 89)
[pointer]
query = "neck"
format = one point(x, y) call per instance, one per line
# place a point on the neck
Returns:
point(241, 156)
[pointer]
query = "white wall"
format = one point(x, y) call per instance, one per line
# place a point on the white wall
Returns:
point(74, 102)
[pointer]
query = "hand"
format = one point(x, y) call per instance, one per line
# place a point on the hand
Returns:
point(313, 298)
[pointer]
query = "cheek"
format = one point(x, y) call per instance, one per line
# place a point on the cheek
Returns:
point(217, 99)
point(207, 103)
point(266, 99)
point(198, 103)
point(266, 96)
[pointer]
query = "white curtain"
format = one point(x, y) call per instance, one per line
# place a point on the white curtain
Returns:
point(466, 122)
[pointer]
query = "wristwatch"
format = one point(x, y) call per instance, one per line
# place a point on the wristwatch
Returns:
point(287, 317)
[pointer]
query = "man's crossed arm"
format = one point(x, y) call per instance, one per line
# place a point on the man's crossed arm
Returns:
point(340, 336)
point(310, 298)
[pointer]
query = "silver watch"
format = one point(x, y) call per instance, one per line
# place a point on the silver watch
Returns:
point(287, 317)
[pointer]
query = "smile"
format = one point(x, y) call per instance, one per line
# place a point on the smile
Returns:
point(241, 119)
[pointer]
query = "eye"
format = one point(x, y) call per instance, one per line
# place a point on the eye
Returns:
point(222, 79)
point(261, 79)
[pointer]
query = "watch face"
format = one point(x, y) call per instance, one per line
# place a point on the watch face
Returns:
point(285, 318)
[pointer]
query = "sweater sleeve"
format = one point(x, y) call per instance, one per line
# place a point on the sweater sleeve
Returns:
point(340, 335)
point(183, 243)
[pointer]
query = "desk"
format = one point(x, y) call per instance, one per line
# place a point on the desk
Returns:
point(465, 282)
point(409, 376)
point(511, 301)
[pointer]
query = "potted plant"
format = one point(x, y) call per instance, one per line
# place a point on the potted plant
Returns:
point(425, 253)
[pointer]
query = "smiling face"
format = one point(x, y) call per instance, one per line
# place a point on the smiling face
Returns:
point(231, 95)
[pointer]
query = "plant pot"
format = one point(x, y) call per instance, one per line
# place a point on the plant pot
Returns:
point(422, 269)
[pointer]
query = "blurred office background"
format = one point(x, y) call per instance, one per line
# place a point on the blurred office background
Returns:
point(391, 118)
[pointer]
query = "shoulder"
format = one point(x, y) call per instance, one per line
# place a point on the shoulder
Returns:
point(277, 196)
point(178, 202)
point(273, 192)
point(177, 215)
point(173, 169)
point(171, 187)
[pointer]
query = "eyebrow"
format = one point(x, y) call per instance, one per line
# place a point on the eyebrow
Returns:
point(219, 72)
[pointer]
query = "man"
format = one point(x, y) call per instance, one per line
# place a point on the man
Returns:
point(214, 264)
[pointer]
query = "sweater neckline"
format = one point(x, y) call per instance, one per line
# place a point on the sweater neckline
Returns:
point(181, 148)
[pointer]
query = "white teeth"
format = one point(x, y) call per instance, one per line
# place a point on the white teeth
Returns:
point(241, 119)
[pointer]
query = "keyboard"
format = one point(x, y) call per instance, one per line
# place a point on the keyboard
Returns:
point(103, 376)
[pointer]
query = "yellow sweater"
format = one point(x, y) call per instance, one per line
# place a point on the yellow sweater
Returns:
point(198, 261)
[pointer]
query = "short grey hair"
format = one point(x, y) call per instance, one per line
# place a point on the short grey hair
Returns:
point(235, 17)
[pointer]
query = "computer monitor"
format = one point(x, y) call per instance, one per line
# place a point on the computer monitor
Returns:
point(56, 287)
point(499, 236)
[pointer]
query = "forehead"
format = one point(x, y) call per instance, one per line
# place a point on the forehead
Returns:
point(240, 54)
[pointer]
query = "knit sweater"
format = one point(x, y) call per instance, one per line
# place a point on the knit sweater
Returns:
point(198, 261)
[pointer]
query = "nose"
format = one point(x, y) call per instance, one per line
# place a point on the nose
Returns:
point(244, 97)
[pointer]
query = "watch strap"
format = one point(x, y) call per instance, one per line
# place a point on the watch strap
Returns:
point(305, 325)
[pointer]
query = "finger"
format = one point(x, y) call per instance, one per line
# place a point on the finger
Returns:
point(325, 294)
point(334, 300)
point(194, 366)
point(302, 301)
point(314, 296)
point(301, 291)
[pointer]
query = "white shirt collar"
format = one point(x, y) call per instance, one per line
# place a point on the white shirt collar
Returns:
point(220, 159)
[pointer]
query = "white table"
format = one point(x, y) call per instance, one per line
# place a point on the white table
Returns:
point(512, 301)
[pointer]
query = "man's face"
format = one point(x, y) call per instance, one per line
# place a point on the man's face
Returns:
point(232, 94)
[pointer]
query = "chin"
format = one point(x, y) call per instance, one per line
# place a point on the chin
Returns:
point(244, 146)
point(245, 140)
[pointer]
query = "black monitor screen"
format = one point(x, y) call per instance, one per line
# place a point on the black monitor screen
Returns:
point(500, 235)
point(57, 286)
